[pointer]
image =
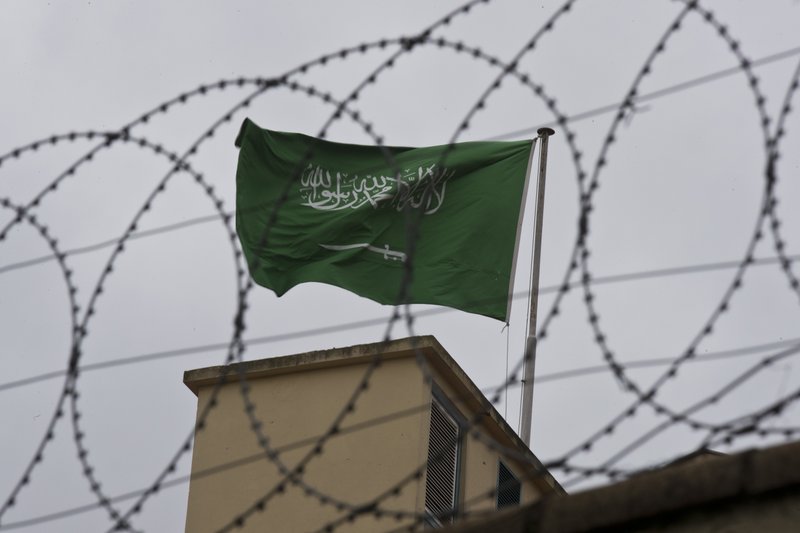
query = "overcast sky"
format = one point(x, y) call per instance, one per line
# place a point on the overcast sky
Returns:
point(683, 186)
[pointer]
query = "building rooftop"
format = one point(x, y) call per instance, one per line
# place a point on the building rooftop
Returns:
point(442, 366)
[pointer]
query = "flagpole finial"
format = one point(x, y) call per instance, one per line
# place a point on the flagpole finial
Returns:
point(545, 132)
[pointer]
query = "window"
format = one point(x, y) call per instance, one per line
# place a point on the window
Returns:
point(444, 457)
point(509, 488)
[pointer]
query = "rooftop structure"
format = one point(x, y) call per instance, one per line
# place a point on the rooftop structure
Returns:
point(412, 409)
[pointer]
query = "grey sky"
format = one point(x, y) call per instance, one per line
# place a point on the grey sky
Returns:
point(682, 187)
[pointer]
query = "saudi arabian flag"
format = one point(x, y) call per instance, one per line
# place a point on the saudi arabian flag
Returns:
point(343, 212)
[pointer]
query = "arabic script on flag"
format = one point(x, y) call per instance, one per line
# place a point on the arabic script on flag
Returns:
point(420, 187)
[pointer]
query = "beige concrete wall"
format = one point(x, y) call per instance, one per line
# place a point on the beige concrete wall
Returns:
point(480, 477)
point(775, 513)
point(301, 405)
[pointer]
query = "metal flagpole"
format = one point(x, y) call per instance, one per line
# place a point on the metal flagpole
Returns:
point(530, 345)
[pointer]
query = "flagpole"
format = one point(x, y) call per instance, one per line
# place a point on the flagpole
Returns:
point(530, 345)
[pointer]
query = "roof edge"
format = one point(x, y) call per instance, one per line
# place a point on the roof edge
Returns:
point(307, 361)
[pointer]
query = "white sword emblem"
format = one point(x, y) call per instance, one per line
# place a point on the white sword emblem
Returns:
point(387, 253)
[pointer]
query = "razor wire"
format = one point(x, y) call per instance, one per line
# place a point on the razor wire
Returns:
point(725, 432)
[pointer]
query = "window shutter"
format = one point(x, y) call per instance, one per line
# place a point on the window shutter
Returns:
point(509, 488)
point(440, 479)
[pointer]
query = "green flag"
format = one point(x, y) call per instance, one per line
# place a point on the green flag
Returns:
point(342, 214)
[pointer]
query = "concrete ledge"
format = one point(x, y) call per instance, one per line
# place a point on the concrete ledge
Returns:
point(721, 484)
point(351, 355)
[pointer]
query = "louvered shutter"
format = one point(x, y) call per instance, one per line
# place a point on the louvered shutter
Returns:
point(441, 475)
point(508, 487)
